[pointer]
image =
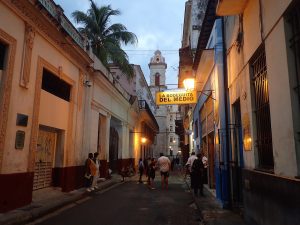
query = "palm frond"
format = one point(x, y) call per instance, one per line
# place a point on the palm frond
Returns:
point(106, 38)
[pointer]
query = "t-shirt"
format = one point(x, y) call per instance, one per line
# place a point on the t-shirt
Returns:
point(190, 161)
point(164, 163)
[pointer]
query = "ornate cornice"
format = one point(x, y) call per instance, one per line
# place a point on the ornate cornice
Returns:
point(5, 87)
point(39, 19)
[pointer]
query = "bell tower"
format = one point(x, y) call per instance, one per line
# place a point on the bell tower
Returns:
point(157, 68)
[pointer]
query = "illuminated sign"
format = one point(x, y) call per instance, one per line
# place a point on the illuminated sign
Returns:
point(176, 97)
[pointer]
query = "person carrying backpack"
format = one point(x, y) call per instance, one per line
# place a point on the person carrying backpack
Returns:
point(198, 172)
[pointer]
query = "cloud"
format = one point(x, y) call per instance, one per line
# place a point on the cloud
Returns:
point(157, 24)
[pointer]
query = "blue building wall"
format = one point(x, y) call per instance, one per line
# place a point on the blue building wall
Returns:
point(216, 82)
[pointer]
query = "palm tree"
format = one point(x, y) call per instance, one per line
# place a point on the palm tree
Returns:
point(106, 38)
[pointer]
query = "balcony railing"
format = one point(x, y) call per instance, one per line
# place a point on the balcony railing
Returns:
point(57, 13)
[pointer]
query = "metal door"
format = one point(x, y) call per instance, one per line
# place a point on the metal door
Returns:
point(236, 159)
point(44, 159)
point(113, 149)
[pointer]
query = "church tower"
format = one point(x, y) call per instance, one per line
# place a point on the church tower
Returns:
point(157, 68)
point(166, 139)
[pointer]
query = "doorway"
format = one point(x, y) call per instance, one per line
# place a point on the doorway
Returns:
point(237, 162)
point(113, 149)
point(211, 160)
point(44, 157)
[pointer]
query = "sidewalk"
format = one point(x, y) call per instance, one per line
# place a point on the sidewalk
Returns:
point(212, 212)
point(48, 200)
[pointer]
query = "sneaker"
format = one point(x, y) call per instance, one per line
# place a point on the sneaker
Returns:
point(153, 188)
point(92, 189)
point(88, 190)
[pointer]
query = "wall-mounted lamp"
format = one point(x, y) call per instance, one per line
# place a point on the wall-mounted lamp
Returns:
point(143, 140)
point(189, 83)
point(87, 83)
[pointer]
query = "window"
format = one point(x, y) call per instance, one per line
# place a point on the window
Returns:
point(258, 71)
point(157, 79)
point(171, 139)
point(2, 55)
point(3, 49)
point(171, 128)
point(56, 86)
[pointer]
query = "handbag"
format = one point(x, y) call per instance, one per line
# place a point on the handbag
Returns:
point(87, 176)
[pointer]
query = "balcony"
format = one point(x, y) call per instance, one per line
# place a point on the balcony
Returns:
point(230, 7)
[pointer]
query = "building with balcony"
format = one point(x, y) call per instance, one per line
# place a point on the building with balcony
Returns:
point(262, 48)
point(57, 104)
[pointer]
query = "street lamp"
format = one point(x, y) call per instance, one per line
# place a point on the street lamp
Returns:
point(189, 83)
point(144, 140)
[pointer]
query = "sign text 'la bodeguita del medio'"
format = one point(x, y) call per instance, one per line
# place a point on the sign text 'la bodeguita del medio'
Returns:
point(176, 97)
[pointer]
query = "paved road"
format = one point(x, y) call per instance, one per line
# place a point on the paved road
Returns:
point(131, 204)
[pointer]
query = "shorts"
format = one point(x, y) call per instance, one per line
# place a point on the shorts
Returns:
point(165, 174)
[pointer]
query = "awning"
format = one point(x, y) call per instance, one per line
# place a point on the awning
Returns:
point(204, 68)
point(230, 7)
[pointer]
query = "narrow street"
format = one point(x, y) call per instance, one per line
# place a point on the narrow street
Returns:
point(132, 203)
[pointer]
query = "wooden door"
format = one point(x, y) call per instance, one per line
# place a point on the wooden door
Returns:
point(44, 156)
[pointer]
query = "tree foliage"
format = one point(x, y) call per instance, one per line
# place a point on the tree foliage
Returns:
point(106, 38)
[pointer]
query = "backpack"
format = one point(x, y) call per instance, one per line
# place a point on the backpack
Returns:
point(197, 166)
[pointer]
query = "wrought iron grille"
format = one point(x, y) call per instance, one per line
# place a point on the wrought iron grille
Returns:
point(262, 109)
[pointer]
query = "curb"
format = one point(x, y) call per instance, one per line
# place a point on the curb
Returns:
point(20, 217)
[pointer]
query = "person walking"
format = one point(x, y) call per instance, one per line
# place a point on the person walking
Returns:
point(151, 174)
point(141, 169)
point(189, 165)
point(164, 165)
point(90, 171)
point(97, 173)
point(198, 172)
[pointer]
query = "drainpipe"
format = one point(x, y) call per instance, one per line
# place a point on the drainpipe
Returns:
point(226, 109)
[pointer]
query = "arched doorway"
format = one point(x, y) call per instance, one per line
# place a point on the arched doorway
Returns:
point(113, 149)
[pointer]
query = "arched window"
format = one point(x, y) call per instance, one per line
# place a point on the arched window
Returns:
point(157, 79)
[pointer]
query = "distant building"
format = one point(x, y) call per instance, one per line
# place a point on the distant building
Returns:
point(166, 139)
point(146, 126)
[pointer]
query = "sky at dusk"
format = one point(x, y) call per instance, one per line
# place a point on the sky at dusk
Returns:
point(157, 24)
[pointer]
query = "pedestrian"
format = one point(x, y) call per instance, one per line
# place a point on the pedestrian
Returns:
point(90, 171)
point(152, 167)
point(141, 169)
point(124, 172)
point(148, 170)
point(97, 173)
point(205, 163)
point(164, 165)
point(145, 167)
point(197, 171)
point(189, 165)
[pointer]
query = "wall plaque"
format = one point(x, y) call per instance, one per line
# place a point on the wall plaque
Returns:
point(20, 139)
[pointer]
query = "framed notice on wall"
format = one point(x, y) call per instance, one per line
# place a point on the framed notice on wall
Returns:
point(20, 139)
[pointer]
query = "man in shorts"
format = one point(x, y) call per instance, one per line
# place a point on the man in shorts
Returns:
point(164, 165)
